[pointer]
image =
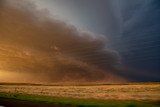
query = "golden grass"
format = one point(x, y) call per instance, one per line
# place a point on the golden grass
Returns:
point(105, 92)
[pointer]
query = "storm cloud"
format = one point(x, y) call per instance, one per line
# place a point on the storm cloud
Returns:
point(37, 48)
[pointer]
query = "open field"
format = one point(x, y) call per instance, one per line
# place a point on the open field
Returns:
point(138, 94)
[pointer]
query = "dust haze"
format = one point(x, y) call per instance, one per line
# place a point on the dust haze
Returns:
point(37, 48)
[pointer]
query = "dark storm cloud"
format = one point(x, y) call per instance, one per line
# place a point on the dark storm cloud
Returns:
point(142, 48)
point(53, 51)
point(131, 26)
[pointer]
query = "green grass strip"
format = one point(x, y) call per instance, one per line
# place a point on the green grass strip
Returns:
point(79, 102)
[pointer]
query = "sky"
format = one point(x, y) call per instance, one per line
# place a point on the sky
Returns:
point(85, 40)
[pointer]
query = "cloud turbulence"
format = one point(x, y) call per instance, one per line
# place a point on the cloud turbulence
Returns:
point(37, 48)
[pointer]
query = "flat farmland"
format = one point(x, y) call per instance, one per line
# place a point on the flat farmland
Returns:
point(120, 92)
point(117, 92)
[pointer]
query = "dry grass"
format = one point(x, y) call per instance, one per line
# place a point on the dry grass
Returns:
point(105, 92)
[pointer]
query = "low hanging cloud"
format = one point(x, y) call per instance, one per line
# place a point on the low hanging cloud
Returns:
point(37, 48)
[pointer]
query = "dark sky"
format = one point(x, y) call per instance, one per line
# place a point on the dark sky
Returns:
point(80, 40)
point(132, 27)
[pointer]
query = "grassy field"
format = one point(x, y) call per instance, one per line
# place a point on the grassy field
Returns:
point(126, 95)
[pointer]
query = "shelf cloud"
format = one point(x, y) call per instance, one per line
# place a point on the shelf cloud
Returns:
point(37, 48)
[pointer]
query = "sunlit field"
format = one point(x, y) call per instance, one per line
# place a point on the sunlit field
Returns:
point(118, 92)
point(103, 93)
